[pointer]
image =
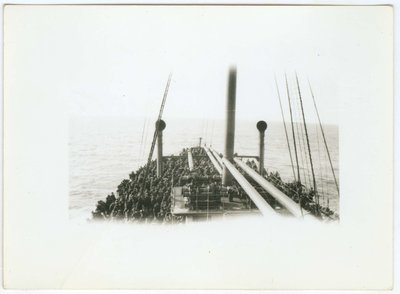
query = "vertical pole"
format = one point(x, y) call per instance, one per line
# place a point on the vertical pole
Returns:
point(261, 126)
point(230, 126)
point(160, 125)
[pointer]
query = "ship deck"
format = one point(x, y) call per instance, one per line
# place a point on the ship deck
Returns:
point(179, 206)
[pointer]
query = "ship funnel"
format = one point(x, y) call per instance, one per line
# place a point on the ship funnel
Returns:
point(160, 125)
point(261, 126)
point(230, 125)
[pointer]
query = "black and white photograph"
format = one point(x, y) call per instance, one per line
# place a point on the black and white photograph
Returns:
point(298, 176)
point(198, 147)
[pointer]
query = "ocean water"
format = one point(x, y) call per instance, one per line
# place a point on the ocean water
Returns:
point(103, 151)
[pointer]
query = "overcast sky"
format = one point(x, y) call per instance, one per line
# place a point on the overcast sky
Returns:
point(115, 60)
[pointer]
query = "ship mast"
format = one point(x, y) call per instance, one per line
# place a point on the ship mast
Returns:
point(153, 143)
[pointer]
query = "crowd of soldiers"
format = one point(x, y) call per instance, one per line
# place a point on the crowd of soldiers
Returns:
point(208, 179)
point(297, 192)
point(203, 167)
point(141, 198)
point(148, 199)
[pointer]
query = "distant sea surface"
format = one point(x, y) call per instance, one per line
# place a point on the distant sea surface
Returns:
point(103, 151)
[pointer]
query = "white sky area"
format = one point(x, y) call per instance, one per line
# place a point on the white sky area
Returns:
point(115, 60)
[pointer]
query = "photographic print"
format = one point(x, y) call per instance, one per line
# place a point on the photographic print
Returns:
point(198, 147)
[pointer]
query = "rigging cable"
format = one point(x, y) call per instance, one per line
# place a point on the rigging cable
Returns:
point(300, 139)
point(308, 143)
point(300, 135)
point(321, 179)
point(326, 176)
point(141, 141)
point(294, 137)
point(294, 142)
point(145, 137)
point(284, 125)
point(323, 136)
point(144, 133)
point(303, 152)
